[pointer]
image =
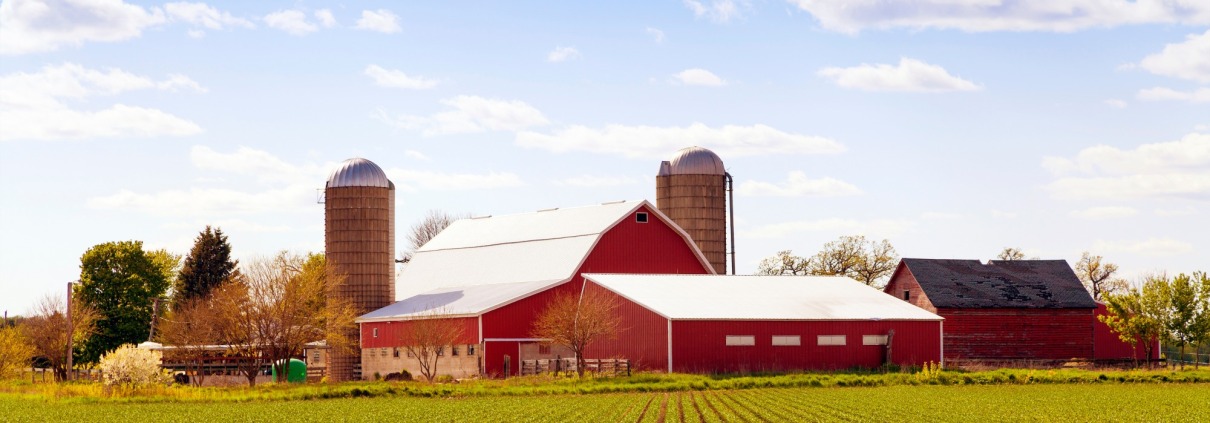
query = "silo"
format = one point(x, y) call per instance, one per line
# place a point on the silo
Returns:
point(691, 189)
point(359, 242)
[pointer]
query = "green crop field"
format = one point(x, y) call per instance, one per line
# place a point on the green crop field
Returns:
point(1075, 402)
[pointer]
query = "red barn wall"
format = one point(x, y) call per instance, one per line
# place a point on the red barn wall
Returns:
point(903, 280)
point(1108, 346)
point(389, 333)
point(642, 336)
point(699, 346)
point(1018, 333)
point(628, 247)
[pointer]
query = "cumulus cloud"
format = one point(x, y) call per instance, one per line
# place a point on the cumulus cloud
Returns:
point(1168, 169)
point(1150, 247)
point(293, 22)
point(718, 11)
point(325, 18)
point(655, 142)
point(397, 79)
point(33, 105)
point(30, 26)
point(380, 20)
point(1188, 60)
point(1108, 212)
point(1200, 95)
point(1116, 103)
point(204, 16)
point(992, 15)
point(656, 34)
point(562, 54)
point(471, 114)
point(593, 181)
point(697, 76)
point(910, 75)
point(797, 184)
point(878, 228)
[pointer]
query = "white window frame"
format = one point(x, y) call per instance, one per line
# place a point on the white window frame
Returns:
point(741, 340)
point(873, 339)
point(375, 332)
point(786, 340)
point(831, 340)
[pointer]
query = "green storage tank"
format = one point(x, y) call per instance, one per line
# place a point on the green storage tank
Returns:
point(297, 373)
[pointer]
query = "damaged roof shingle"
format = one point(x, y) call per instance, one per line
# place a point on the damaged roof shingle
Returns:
point(999, 284)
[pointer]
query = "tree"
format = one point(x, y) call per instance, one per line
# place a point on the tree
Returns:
point(853, 256)
point(1137, 314)
point(236, 325)
point(15, 352)
point(576, 321)
point(783, 263)
point(1011, 254)
point(190, 328)
point(426, 337)
point(47, 330)
point(133, 367)
point(208, 264)
point(426, 229)
point(1097, 276)
point(1182, 326)
point(1201, 317)
point(122, 282)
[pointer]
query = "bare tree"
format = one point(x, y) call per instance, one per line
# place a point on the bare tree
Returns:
point(853, 256)
point(1011, 254)
point(236, 325)
point(426, 229)
point(782, 263)
point(878, 260)
point(191, 327)
point(1097, 276)
point(576, 321)
point(426, 337)
point(46, 330)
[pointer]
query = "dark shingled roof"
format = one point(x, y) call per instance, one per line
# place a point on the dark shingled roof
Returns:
point(1000, 284)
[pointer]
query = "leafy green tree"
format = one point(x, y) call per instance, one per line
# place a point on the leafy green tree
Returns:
point(1201, 315)
point(121, 282)
point(208, 264)
point(1182, 325)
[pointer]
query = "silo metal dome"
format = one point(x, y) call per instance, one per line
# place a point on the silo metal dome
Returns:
point(696, 161)
point(358, 172)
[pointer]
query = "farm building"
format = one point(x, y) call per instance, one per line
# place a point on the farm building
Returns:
point(1002, 310)
point(1109, 346)
point(493, 275)
point(714, 323)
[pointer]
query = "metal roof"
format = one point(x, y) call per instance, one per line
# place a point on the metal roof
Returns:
point(999, 284)
point(723, 297)
point(358, 172)
point(695, 161)
point(457, 301)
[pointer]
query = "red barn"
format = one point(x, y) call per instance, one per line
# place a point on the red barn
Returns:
point(1109, 346)
point(495, 274)
point(726, 324)
point(1002, 310)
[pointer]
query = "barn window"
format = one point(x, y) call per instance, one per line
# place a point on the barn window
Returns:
point(375, 332)
point(741, 340)
point(470, 350)
point(831, 340)
point(907, 295)
point(395, 353)
point(873, 340)
point(640, 217)
point(543, 349)
point(786, 340)
point(453, 350)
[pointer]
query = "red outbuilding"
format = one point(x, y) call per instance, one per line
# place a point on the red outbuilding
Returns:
point(495, 274)
point(726, 324)
point(1109, 346)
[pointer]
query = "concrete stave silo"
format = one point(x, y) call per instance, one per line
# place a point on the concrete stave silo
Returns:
point(691, 189)
point(359, 243)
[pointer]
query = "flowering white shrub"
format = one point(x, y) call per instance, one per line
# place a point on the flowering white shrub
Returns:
point(132, 366)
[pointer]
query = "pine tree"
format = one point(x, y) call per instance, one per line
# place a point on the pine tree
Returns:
point(209, 263)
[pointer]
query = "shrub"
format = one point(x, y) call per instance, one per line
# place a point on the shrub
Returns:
point(444, 379)
point(133, 367)
point(15, 352)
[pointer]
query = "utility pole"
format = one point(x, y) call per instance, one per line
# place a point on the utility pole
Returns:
point(69, 330)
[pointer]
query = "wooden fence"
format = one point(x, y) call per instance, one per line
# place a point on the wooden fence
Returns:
point(595, 366)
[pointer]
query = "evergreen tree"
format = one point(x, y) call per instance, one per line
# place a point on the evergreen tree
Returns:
point(208, 265)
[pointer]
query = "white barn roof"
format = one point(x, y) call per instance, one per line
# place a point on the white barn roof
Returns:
point(721, 297)
point(457, 301)
point(546, 245)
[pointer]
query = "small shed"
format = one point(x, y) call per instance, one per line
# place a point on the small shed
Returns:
point(1002, 310)
point(728, 324)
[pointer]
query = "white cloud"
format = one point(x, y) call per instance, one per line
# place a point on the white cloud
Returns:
point(1200, 95)
point(1000, 214)
point(1116, 103)
point(878, 228)
point(30, 26)
point(208, 201)
point(471, 114)
point(797, 184)
point(1188, 60)
point(910, 75)
point(380, 20)
point(1107, 212)
point(1167, 169)
point(719, 11)
point(265, 167)
point(1150, 247)
point(417, 155)
point(656, 34)
point(591, 181)
point(293, 22)
point(562, 54)
point(655, 142)
point(325, 17)
point(408, 180)
point(697, 76)
point(205, 16)
point(397, 79)
point(32, 105)
point(997, 15)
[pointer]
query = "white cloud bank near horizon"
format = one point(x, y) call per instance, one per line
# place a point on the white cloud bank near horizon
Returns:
point(1174, 169)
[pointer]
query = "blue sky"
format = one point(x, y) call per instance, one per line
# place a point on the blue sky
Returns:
point(953, 128)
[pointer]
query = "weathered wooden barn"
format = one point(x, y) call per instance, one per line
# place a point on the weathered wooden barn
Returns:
point(1002, 310)
point(495, 274)
point(723, 324)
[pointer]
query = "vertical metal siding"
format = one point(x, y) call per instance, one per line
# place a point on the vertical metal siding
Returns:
point(389, 333)
point(642, 337)
point(1107, 345)
point(1018, 333)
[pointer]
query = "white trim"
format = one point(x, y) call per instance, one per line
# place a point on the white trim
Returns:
point(516, 339)
point(941, 328)
point(480, 328)
point(669, 345)
point(588, 278)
